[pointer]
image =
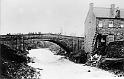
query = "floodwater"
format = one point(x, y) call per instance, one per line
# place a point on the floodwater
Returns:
point(57, 67)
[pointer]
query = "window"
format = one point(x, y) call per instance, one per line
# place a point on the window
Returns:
point(122, 25)
point(100, 24)
point(111, 24)
point(110, 38)
point(118, 33)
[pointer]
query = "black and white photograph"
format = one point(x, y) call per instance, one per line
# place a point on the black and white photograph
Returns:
point(62, 39)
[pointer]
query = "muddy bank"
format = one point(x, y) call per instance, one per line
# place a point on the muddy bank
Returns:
point(14, 65)
point(114, 52)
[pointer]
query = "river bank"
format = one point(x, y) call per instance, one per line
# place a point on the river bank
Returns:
point(14, 65)
point(18, 66)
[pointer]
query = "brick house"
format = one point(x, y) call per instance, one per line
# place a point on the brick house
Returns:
point(102, 26)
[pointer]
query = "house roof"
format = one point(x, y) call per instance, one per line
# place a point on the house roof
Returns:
point(122, 13)
point(105, 12)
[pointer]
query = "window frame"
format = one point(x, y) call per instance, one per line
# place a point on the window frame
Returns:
point(111, 22)
point(100, 24)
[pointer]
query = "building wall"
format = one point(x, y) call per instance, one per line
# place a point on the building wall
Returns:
point(90, 30)
point(116, 29)
point(113, 17)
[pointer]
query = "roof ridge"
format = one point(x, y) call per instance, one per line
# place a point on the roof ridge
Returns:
point(121, 9)
point(108, 8)
point(105, 12)
point(102, 7)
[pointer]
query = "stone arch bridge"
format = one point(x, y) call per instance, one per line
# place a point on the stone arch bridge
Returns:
point(68, 43)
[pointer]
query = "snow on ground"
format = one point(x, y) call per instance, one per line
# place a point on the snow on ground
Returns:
point(56, 67)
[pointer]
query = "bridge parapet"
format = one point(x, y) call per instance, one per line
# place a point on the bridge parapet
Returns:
point(69, 43)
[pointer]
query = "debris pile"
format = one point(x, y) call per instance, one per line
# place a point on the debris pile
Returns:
point(115, 49)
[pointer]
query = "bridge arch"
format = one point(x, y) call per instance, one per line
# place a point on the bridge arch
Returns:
point(62, 44)
point(21, 42)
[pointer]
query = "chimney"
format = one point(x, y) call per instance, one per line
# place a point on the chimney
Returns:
point(117, 13)
point(112, 11)
point(91, 6)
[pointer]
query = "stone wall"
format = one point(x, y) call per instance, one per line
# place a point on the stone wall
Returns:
point(111, 26)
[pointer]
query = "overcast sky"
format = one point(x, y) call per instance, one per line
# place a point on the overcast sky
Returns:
point(66, 16)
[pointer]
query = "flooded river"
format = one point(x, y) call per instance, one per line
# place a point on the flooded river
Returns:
point(57, 67)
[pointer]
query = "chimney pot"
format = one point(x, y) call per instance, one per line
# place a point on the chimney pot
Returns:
point(91, 7)
point(112, 6)
point(112, 13)
point(91, 4)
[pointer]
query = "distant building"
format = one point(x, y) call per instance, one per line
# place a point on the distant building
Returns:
point(103, 25)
